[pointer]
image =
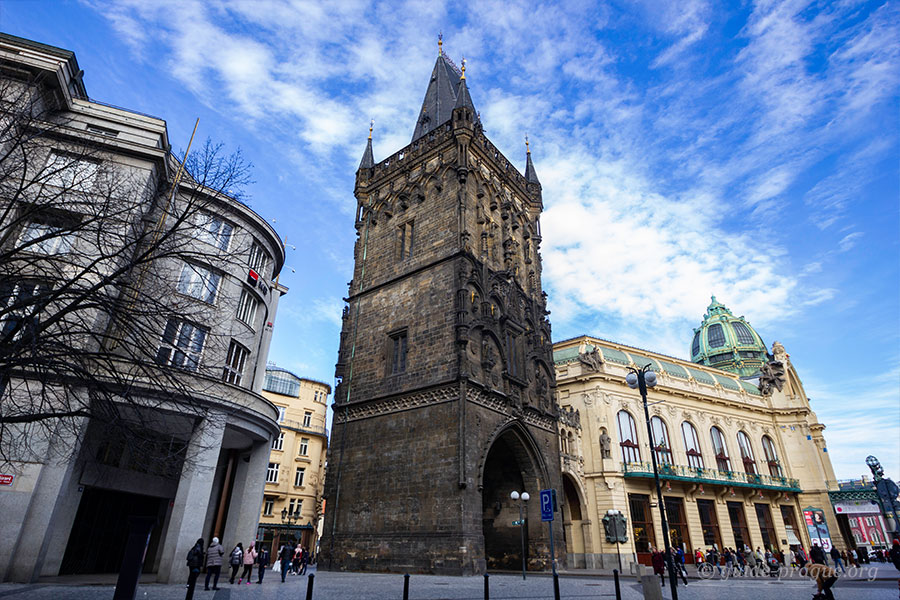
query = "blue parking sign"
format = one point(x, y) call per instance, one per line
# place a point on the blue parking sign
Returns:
point(548, 500)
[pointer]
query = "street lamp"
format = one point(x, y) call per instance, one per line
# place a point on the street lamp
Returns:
point(524, 497)
point(288, 519)
point(641, 379)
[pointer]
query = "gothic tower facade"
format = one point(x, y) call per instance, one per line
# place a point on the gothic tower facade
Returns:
point(445, 401)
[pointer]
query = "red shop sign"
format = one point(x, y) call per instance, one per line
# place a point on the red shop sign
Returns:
point(6, 479)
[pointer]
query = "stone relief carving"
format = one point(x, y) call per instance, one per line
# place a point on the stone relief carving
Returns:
point(590, 360)
point(771, 377)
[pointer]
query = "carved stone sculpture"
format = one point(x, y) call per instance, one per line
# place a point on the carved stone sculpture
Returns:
point(771, 377)
point(605, 445)
point(591, 360)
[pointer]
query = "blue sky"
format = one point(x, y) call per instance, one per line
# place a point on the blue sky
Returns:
point(747, 150)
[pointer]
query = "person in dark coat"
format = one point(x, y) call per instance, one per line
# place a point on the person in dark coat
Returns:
point(214, 555)
point(263, 561)
point(836, 557)
point(287, 553)
point(194, 563)
point(817, 555)
point(659, 565)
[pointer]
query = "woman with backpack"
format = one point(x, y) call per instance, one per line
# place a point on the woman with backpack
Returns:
point(235, 561)
point(194, 563)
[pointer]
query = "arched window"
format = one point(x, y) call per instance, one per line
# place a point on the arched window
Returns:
point(661, 445)
point(695, 346)
point(723, 463)
point(743, 333)
point(715, 336)
point(875, 536)
point(692, 445)
point(746, 453)
point(771, 457)
point(628, 439)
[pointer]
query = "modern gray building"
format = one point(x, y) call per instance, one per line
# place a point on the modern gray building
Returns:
point(155, 410)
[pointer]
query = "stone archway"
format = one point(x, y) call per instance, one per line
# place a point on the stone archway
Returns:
point(509, 466)
point(573, 520)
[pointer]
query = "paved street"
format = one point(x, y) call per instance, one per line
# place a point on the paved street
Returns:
point(355, 586)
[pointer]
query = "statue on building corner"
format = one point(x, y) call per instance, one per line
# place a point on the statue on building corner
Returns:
point(605, 445)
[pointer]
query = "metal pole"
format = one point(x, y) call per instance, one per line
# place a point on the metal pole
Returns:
point(487, 587)
point(309, 586)
point(552, 555)
point(618, 556)
point(662, 509)
point(522, 535)
point(615, 578)
point(406, 587)
point(555, 586)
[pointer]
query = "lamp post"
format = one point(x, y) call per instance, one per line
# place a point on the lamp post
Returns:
point(288, 519)
point(641, 379)
point(523, 497)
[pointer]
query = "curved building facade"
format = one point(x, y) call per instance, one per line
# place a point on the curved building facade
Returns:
point(188, 359)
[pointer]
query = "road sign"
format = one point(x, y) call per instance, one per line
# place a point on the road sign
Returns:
point(548, 503)
point(7, 479)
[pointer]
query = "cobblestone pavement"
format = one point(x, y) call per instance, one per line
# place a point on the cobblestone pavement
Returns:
point(359, 586)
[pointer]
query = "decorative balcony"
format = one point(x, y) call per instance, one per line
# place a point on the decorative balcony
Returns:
point(702, 475)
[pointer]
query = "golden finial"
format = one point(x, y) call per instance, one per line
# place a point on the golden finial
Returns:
point(371, 126)
point(440, 44)
point(527, 149)
point(463, 68)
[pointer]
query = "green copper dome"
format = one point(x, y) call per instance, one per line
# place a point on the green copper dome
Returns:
point(727, 342)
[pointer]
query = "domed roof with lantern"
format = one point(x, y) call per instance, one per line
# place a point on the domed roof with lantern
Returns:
point(727, 342)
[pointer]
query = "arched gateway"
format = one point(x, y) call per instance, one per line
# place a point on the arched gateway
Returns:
point(446, 398)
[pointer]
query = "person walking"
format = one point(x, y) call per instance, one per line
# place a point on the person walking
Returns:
point(262, 560)
point(817, 554)
point(838, 562)
point(698, 558)
point(287, 552)
point(214, 555)
point(678, 561)
point(729, 562)
point(825, 577)
point(194, 563)
point(659, 565)
point(712, 556)
point(304, 560)
point(249, 560)
point(235, 560)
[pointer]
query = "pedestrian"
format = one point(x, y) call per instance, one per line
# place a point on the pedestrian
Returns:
point(235, 560)
point(712, 556)
point(838, 562)
point(249, 560)
point(825, 577)
point(742, 561)
point(659, 565)
point(729, 562)
point(817, 554)
point(698, 558)
point(678, 561)
point(295, 563)
point(262, 560)
point(304, 560)
point(287, 552)
point(214, 555)
point(194, 563)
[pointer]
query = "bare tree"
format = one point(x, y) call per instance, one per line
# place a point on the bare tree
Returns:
point(102, 262)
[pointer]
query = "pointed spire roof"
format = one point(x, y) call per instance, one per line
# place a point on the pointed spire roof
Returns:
point(368, 159)
point(463, 99)
point(530, 173)
point(440, 97)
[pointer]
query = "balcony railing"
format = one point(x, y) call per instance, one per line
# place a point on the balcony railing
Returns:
point(702, 475)
point(298, 426)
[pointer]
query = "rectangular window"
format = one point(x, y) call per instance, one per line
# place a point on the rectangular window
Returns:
point(19, 300)
point(44, 238)
point(294, 506)
point(213, 230)
point(766, 527)
point(246, 311)
point(641, 522)
point(278, 443)
point(71, 172)
point(281, 410)
point(739, 525)
point(299, 474)
point(272, 473)
point(199, 282)
point(304, 446)
point(512, 354)
point(234, 363)
point(678, 527)
point(268, 505)
point(709, 523)
point(181, 345)
point(258, 258)
point(398, 354)
point(307, 418)
point(405, 240)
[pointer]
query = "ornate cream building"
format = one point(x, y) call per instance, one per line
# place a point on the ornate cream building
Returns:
point(738, 466)
point(294, 477)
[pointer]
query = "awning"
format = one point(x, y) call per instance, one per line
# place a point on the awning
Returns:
point(792, 538)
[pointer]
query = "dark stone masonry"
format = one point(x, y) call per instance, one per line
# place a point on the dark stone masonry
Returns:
point(446, 396)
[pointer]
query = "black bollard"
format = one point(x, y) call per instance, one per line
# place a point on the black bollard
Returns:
point(556, 586)
point(616, 579)
point(406, 587)
point(309, 586)
point(487, 587)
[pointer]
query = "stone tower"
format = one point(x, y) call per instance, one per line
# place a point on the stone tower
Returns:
point(446, 396)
